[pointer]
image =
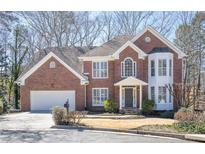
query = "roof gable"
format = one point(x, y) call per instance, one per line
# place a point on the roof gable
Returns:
point(22, 78)
point(162, 39)
point(133, 46)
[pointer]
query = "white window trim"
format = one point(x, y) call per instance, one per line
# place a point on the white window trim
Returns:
point(167, 96)
point(99, 105)
point(167, 73)
point(122, 65)
point(100, 66)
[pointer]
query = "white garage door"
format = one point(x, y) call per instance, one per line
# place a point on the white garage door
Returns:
point(46, 100)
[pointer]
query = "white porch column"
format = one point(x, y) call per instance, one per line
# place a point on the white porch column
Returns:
point(120, 95)
point(140, 97)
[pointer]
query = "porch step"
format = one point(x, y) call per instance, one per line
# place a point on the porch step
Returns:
point(129, 111)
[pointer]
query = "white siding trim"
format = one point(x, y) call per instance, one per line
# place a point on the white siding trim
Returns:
point(141, 53)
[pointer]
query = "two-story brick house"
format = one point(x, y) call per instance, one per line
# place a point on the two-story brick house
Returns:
point(126, 69)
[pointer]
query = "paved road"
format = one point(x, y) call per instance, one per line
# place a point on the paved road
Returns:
point(82, 136)
point(27, 127)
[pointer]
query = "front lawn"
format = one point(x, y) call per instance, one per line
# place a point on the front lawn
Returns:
point(127, 124)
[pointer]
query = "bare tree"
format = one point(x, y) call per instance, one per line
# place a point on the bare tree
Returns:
point(177, 91)
point(130, 22)
point(163, 22)
point(18, 53)
point(51, 26)
point(111, 27)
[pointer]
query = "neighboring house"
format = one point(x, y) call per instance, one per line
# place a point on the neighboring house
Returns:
point(126, 69)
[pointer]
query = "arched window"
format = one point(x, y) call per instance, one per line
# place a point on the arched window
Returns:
point(128, 68)
point(52, 64)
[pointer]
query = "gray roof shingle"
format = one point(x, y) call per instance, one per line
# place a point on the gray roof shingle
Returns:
point(68, 54)
point(109, 47)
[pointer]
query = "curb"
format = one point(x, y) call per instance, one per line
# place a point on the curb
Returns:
point(195, 137)
point(173, 135)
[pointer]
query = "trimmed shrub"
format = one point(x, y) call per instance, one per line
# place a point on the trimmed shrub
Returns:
point(58, 115)
point(110, 106)
point(147, 106)
point(186, 114)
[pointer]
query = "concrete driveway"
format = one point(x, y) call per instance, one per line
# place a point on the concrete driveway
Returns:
point(35, 127)
point(26, 121)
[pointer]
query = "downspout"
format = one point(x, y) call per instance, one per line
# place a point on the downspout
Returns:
point(85, 108)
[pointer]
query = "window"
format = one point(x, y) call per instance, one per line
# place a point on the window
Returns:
point(162, 95)
point(128, 68)
point(100, 69)
point(99, 95)
point(52, 64)
point(170, 97)
point(152, 93)
point(152, 68)
point(162, 67)
point(170, 67)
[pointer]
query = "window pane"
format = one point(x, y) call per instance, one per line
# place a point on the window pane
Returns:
point(152, 93)
point(162, 95)
point(170, 97)
point(100, 69)
point(152, 68)
point(99, 95)
point(162, 67)
point(128, 68)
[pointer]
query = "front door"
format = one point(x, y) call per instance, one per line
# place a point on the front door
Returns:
point(128, 97)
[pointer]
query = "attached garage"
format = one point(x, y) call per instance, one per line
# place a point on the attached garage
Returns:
point(46, 100)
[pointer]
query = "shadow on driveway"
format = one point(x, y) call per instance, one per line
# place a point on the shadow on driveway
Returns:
point(20, 136)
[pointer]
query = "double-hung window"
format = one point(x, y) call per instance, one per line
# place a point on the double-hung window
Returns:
point(99, 95)
point(162, 67)
point(100, 69)
point(162, 96)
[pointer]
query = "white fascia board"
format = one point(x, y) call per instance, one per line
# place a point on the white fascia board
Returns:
point(41, 62)
point(93, 58)
point(142, 55)
point(163, 39)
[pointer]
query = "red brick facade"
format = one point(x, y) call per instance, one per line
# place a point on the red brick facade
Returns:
point(58, 78)
point(142, 70)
